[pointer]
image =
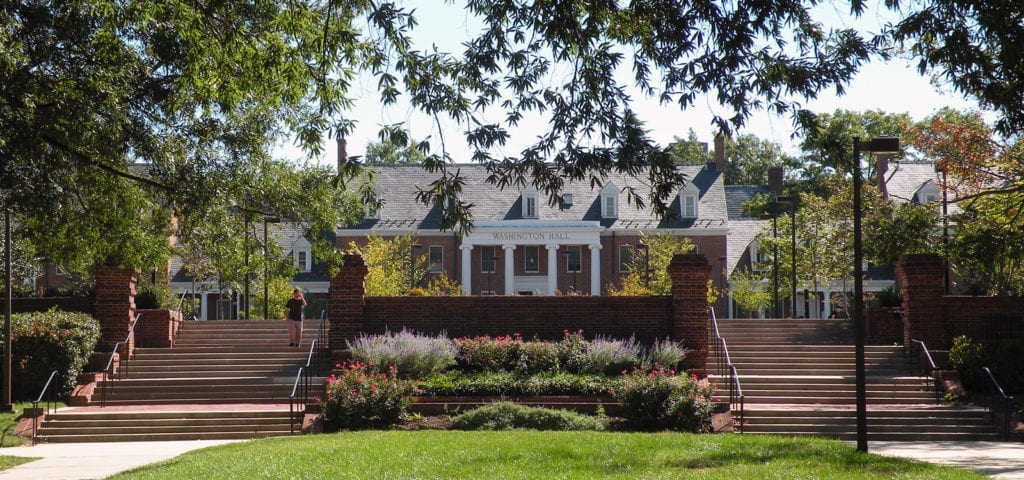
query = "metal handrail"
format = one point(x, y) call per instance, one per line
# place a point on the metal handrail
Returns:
point(994, 401)
point(181, 299)
point(314, 360)
point(50, 402)
point(931, 368)
point(122, 364)
point(724, 367)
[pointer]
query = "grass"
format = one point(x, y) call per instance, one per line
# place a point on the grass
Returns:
point(11, 462)
point(9, 420)
point(532, 454)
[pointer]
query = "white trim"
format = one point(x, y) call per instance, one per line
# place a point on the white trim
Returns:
point(530, 201)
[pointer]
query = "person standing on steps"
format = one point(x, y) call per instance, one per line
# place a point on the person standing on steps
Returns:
point(294, 308)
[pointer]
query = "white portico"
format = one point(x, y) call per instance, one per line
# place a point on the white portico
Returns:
point(510, 235)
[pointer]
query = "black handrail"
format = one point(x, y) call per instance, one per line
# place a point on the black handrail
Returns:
point(929, 367)
point(724, 367)
point(50, 402)
point(997, 397)
point(314, 361)
point(122, 363)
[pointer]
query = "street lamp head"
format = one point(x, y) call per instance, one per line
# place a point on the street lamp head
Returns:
point(884, 145)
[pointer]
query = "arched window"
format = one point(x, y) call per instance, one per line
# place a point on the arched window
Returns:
point(688, 200)
point(610, 201)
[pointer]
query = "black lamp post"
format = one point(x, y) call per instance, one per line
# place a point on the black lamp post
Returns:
point(647, 263)
point(7, 405)
point(945, 229)
point(775, 261)
point(247, 272)
point(791, 201)
point(878, 145)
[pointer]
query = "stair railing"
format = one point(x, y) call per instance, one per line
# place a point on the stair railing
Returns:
point(122, 363)
point(51, 404)
point(724, 367)
point(998, 398)
point(303, 386)
point(927, 367)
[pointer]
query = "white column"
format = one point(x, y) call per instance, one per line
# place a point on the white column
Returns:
point(827, 311)
point(595, 269)
point(467, 269)
point(203, 306)
point(552, 268)
point(510, 269)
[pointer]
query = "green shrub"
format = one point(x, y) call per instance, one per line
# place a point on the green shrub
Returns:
point(611, 356)
point(485, 354)
point(454, 383)
point(358, 398)
point(42, 342)
point(659, 399)
point(572, 352)
point(535, 357)
point(666, 353)
point(508, 416)
point(414, 355)
point(967, 357)
point(150, 295)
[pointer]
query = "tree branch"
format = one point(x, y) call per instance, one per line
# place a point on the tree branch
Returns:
point(102, 166)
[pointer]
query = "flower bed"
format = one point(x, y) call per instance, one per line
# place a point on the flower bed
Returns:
point(619, 376)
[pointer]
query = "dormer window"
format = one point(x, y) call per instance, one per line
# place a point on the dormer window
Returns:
point(928, 193)
point(610, 201)
point(688, 201)
point(530, 203)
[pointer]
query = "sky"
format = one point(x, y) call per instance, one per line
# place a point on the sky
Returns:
point(894, 87)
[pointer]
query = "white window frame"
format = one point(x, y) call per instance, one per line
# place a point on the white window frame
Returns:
point(755, 260)
point(438, 266)
point(303, 259)
point(531, 207)
point(610, 201)
point(689, 200)
point(625, 257)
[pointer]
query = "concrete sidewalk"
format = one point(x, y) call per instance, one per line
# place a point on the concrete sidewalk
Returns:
point(74, 461)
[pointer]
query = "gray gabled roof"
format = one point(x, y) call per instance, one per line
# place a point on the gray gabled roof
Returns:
point(904, 179)
point(398, 185)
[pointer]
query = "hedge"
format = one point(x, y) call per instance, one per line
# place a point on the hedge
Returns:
point(42, 342)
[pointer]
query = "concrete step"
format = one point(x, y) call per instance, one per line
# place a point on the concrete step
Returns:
point(110, 425)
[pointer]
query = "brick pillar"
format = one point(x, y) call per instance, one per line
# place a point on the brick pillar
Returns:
point(114, 304)
point(921, 277)
point(689, 273)
point(345, 307)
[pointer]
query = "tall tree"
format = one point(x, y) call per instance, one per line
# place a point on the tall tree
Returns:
point(648, 268)
point(749, 158)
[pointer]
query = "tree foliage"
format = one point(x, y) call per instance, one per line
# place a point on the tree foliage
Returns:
point(648, 269)
point(892, 230)
point(388, 261)
point(748, 159)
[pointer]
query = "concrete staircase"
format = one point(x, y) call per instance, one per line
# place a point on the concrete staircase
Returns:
point(224, 379)
point(798, 378)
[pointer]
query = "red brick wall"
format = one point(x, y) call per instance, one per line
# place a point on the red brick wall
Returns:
point(114, 304)
point(67, 304)
point(985, 318)
point(683, 316)
point(157, 328)
point(883, 326)
point(545, 317)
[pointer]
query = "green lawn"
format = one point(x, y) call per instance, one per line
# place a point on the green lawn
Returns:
point(8, 420)
point(531, 454)
point(9, 462)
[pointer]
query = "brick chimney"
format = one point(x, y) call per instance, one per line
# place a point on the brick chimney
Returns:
point(720, 152)
point(342, 152)
point(775, 180)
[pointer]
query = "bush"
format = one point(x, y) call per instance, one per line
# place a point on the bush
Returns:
point(666, 353)
point(455, 383)
point(486, 354)
point(507, 416)
point(414, 355)
point(611, 356)
point(149, 295)
point(42, 342)
point(660, 399)
point(358, 398)
point(534, 357)
point(967, 357)
point(572, 352)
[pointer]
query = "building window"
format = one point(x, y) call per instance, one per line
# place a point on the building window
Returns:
point(436, 258)
point(688, 202)
point(303, 260)
point(531, 259)
point(573, 254)
point(758, 259)
point(625, 258)
point(610, 201)
point(488, 259)
point(530, 203)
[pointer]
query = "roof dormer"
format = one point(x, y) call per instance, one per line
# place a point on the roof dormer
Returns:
point(530, 201)
point(610, 201)
point(688, 200)
point(927, 193)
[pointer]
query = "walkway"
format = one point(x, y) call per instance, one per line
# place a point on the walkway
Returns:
point(74, 461)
